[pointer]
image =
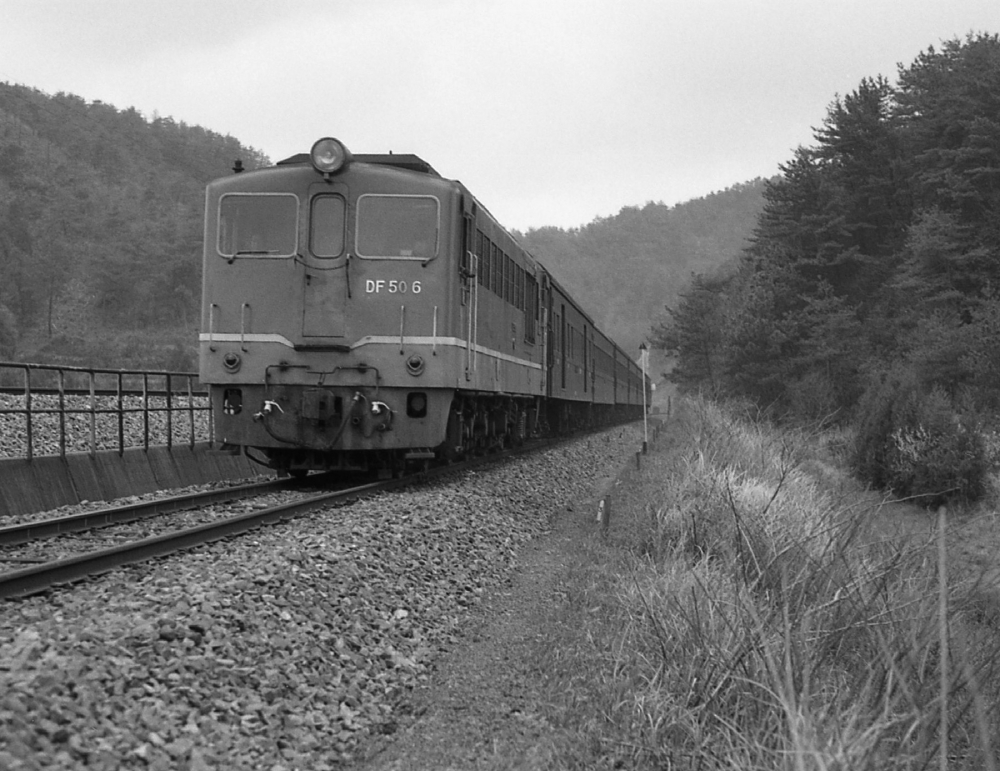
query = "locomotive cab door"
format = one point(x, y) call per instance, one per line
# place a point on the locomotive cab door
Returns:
point(326, 267)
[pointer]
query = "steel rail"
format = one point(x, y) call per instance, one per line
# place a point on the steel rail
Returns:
point(27, 581)
point(26, 532)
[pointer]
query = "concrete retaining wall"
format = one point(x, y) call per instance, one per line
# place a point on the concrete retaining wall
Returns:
point(48, 482)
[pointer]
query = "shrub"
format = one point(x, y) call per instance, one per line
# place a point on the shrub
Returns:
point(912, 441)
point(813, 399)
point(872, 443)
point(934, 454)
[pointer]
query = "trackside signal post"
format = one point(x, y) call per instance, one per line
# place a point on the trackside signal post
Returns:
point(643, 353)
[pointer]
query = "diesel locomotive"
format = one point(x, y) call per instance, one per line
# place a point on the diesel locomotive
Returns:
point(361, 312)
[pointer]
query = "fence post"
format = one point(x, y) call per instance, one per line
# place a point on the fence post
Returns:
point(145, 410)
point(62, 412)
point(170, 414)
point(121, 415)
point(27, 412)
point(191, 409)
point(93, 412)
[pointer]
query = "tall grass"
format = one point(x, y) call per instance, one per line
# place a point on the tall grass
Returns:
point(755, 621)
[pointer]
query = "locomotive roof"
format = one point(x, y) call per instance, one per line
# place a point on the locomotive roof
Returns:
point(406, 161)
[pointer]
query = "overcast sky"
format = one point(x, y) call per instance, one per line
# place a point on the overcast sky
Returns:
point(553, 112)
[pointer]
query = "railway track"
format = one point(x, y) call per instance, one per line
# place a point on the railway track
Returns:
point(43, 573)
point(48, 573)
point(30, 531)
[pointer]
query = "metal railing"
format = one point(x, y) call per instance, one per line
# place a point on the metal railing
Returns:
point(48, 409)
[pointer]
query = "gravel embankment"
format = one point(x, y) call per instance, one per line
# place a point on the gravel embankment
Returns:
point(46, 430)
point(285, 649)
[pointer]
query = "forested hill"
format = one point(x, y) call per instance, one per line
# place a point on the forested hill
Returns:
point(100, 228)
point(624, 269)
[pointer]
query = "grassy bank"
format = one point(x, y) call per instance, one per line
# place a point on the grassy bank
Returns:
point(749, 608)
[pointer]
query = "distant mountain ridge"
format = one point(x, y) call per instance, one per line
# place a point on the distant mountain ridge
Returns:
point(625, 268)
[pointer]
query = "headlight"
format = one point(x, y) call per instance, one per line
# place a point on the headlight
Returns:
point(329, 155)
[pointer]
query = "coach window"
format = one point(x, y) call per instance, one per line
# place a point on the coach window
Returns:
point(504, 276)
point(397, 227)
point(531, 308)
point(486, 263)
point(258, 225)
point(326, 226)
point(481, 267)
point(488, 250)
point(562, 351)
point(508, 279)
point(497, 271)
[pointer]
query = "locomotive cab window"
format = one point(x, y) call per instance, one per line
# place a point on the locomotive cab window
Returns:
point(262, 225)
point(326, 226)
point(397, 227)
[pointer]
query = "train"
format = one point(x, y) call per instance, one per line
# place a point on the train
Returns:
point(363, 313)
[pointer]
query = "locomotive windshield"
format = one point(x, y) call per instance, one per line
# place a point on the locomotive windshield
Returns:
point(258, 225)
point(397, 227)
point(326, 229)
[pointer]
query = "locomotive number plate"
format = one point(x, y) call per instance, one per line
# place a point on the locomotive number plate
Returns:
point(391, 286)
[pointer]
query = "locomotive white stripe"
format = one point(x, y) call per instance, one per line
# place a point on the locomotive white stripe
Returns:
point(238, 337)
point(455, 342)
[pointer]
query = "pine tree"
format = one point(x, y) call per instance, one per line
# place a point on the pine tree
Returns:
point(948, 108)
point(693, 333)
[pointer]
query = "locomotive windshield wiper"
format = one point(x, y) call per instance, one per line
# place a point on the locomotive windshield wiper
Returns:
point(247, 253)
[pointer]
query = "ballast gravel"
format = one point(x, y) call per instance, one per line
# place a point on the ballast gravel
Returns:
point(285, 649)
